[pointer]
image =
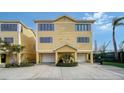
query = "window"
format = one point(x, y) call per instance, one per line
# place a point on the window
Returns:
point(83, 27)
point(45, 27)
point(46, 39)
point(9, 27)
point(8, 39)
point(83, 39)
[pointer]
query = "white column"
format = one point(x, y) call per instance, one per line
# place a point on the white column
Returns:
point(19, 58)
point(19, 34)
point(37, 58)
point(75, 56)
point(56, 57)
point(37, 38)
point(91, 57)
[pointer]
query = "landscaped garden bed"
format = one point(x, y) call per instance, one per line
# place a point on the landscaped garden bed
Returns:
point(66, 61)
point(22, 64)
point(67, 64)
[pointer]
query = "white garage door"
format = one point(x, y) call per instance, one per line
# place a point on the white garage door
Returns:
point(81, 58)
point(48, 58)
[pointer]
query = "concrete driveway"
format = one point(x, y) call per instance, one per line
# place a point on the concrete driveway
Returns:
point(50, 72)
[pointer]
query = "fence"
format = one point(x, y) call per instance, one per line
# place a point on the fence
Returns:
point(109, 57)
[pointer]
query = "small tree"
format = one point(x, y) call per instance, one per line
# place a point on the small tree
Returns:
point(102, 49)
point(10, 49)
point(121, 46)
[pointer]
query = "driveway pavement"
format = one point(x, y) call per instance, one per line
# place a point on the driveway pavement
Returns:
point(50, 72)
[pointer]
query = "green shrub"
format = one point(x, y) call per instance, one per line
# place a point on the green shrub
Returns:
point(26, 63)
point(67, 64)
point(10, 65)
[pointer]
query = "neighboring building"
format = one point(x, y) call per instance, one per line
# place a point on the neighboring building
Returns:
point(61, 36)
point(17, 33)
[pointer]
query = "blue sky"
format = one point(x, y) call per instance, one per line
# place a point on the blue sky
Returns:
point(102, 29)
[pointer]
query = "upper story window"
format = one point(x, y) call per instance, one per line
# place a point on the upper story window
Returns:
point(46, 39)
point(8, 39)
point(83, 27)
point(9, 27)
point(45, 27)
point(83, 40)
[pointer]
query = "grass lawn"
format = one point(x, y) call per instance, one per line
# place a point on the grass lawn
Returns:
point(114, 64)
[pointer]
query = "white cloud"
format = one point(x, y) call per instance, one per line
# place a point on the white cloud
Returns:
point(103, 20)
point(106, 27)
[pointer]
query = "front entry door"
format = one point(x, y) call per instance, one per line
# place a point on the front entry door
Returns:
point(3, 58)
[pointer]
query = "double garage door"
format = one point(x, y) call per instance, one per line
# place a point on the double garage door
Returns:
point(50, 57)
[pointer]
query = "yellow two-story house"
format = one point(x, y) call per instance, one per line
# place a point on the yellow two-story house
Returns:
point(15, 32)
point(61, 36)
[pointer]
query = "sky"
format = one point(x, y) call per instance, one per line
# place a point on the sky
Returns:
point(102, 28)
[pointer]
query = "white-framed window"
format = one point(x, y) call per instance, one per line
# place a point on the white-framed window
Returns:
point(46, 39)
point(83, 27)
point(45, 27)
point(83, 40)
point(8, 39)
point(9, 27)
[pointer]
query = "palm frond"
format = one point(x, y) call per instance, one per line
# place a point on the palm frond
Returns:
point(10, 48)
point(119, 24)
point(116, 20)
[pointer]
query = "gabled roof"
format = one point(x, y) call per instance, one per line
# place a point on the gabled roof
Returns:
point(74, 20)
point(64, 46)
point(65, 17)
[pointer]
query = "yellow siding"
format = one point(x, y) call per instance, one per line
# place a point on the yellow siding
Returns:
point(64, 34)
point(28, 41)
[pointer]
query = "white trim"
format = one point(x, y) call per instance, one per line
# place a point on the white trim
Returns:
point(46, 51)
point(84, 51)
point(9, 23)
point(53, 51)
point(64, 22)
point(84, 23)
point(19, 33)
point(64, 45)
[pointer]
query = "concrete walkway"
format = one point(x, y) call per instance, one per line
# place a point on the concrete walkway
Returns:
point(51, 72)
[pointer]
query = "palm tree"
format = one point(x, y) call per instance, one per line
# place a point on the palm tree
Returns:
point(116, 22)
point(10, 49)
